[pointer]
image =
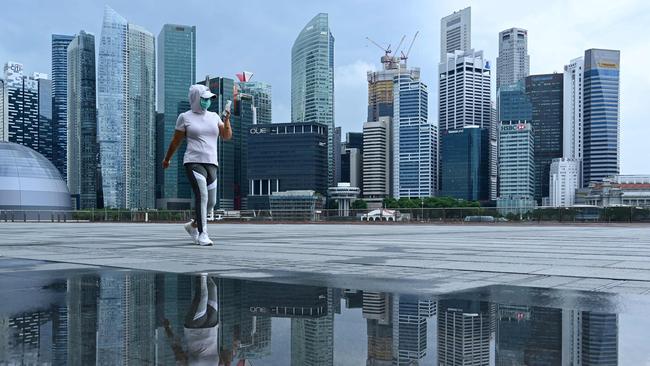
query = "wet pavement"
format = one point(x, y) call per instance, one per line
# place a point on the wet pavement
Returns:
point(417, 258)
point(378, 295)
point(86, 315)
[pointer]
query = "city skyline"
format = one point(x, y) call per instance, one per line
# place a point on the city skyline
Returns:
point(354, 56)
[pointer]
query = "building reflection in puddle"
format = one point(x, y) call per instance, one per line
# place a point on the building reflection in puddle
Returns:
point(122, 317)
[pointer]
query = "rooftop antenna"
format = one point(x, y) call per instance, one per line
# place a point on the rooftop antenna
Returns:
point(406, 56)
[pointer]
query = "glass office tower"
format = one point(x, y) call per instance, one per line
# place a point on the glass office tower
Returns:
point(312, 81)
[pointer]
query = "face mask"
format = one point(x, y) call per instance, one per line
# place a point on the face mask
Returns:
point(205, 104)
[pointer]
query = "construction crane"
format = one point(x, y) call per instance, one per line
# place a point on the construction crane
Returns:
point(405, 57)
point(386, 50)
point(387, 59)
point(400, 44)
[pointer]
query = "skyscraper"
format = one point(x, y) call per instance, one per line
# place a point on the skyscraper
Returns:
point(465, 164)
point(126, 112)
point(377, 174)
point(464, 95)
point(513, 63)
point(414, 139)
point(380, 87)
point(516, 167)
point(262, 99)
point(59, 105)
point(463, 333)
point(377, 161)
point(601, 105)
point(545, 93)
point(27, 114)
point(573, 129)
point(22, 106)
point(82, 148)
point(312, 339)
point(285, 157)
point(176, 73)
point(513, 103)
point(599, 338)
point(312, 81)
point(464, 100)
point(409, 318)
point(456, 32)
point(45, 131)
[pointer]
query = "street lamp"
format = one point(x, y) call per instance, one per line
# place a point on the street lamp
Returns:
point(421, 209)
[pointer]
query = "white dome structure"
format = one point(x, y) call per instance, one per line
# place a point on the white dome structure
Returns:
point(30, 182)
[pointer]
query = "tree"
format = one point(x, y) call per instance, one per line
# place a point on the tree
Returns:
point(359, 205)
point(390, 202)
point(408, 203)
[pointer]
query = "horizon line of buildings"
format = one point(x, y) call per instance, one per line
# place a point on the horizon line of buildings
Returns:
point(545, 137)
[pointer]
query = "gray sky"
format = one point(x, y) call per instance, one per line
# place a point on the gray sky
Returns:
point(256, 35)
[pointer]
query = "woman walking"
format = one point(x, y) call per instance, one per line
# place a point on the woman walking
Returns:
point(201, 129)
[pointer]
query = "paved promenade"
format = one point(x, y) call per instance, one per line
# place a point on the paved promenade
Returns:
point(420, 258)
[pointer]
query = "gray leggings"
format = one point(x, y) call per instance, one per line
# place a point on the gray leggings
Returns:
point(203, 311)
point(203, 179)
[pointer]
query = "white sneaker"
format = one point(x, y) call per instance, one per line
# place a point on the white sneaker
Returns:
point(194, 232)
point(204, 239)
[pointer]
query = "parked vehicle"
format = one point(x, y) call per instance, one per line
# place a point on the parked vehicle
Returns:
point(479, 219)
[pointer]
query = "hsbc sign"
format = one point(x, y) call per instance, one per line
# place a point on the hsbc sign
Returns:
point(519, 127)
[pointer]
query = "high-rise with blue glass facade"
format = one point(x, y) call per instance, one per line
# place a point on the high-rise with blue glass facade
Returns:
point(82, 120)
point(126, 112)
point(414, 139)
point(514, 103)
point(465, 169)
point(312, 81)
point(176, 73)
point(601, 95)
point(59, 104)
point(516, 167)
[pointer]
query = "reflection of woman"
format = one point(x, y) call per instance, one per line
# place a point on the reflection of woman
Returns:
point(201, 328)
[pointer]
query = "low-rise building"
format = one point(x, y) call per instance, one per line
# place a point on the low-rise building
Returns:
point(618, 190)
point(296, 205)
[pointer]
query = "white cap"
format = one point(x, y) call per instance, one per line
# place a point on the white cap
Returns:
point(206, 93)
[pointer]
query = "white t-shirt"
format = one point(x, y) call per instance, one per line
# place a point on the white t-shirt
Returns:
point(202, 133)
point(202, 345)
